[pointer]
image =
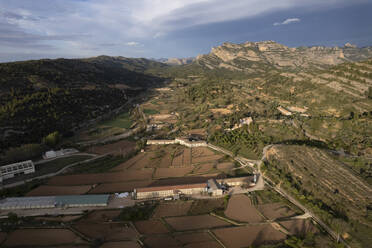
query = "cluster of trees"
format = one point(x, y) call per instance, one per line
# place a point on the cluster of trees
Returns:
point(33, 115)
point(247, 137)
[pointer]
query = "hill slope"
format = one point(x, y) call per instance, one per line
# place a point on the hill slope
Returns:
point(42, 96)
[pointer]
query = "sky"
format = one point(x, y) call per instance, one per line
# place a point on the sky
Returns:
point(34, 29)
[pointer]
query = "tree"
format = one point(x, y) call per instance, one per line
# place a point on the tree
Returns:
point(52, 139)
point(369, 93)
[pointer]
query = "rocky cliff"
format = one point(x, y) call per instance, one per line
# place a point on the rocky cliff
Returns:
point(250, 55)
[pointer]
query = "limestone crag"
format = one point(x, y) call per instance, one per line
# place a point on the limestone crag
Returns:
point(249, 55)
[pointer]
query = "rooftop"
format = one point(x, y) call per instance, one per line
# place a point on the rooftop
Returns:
point(52, 201)
point(171, 187)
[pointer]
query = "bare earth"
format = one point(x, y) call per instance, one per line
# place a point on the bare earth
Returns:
point(172, 209)
point(236, 237)
point(42, 237)
point(241, 209)
point(195, 222)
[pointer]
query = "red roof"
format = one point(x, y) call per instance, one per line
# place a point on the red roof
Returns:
point(172, 187)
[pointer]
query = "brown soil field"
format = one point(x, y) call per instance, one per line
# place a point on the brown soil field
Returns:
point(106, 231)
point(225, 166)
point(187, 157)
point(205, 244)
point(165, 161)
point(172, 172)
point(201, 151)
point(277, 210)
point(47, 190)
point(128, 163)
point(195, 237)
point(118, 148)
point(101, 216)
point(95, 178)
point(2, 237)
point(241, 209)
point(144, 161)
point(236, 237)
point(151, 227)
point(200, 131)
point(161, 241)
point(206, 206)
point(195, 222)
point(298, 227)
point(119, 187)
point(205, 159)
point(122, 244)
point(172, 209)
point(177, 161)
point(42, 237)
point(204, 168)
point(66, 218)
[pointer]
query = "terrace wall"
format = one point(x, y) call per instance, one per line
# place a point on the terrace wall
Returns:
point(179, 141)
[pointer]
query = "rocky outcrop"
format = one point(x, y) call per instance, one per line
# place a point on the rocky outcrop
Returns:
point(246, 55)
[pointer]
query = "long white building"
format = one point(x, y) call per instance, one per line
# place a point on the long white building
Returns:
point(20, 168)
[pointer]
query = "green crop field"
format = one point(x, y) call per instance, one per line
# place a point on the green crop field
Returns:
point(121, 121)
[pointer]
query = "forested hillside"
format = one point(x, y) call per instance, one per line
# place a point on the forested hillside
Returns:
point(44, 96)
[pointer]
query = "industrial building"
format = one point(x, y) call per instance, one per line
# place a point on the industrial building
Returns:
point(169, 191)
point(20, 168)
point(66, 201)
point(214, 187)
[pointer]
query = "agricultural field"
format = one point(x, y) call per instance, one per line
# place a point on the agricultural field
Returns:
point(49, 190)
point(240, 208)
point(121, 244)
point(118, 125)
point(195, 222)
point(151, 227)
point(42, 237)
point(339, 196)
point(172, 209)
point(122, 148)
point(249, 235)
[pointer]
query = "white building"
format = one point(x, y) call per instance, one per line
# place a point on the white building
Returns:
point(169, 191)
point(12, 170)
point(54, 154)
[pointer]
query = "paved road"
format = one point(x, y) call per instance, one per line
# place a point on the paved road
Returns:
point(11, 185)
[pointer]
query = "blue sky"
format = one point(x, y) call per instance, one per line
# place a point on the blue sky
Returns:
point(33, 29)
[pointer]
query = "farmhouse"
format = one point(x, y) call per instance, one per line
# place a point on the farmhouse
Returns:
point(54, 202)
point(12, 170)
point(169, 191)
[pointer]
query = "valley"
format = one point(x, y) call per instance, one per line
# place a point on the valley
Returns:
point(287, 131)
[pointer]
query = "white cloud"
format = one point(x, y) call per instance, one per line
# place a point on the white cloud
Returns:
point(87, 24)
point(287, 21)
point(132, 43)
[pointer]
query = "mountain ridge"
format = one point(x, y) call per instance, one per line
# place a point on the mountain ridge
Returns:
point(240, 57)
